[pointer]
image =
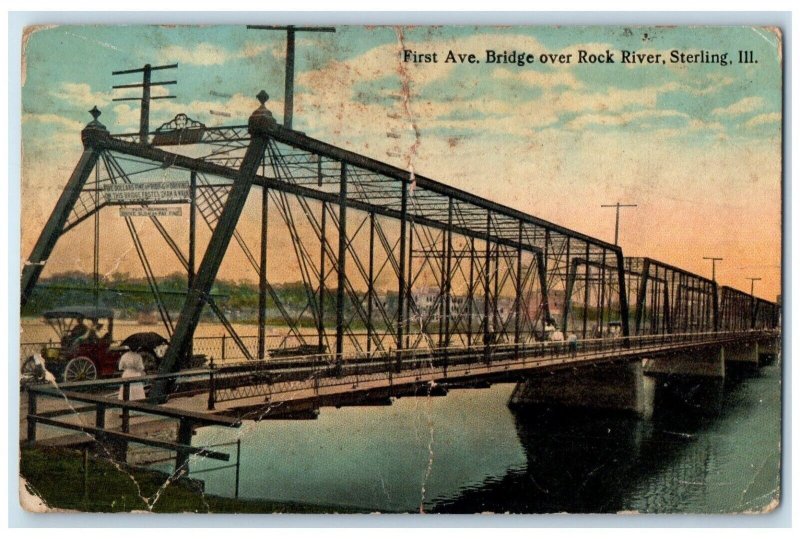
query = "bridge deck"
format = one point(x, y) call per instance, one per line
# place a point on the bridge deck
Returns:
point(310, 387)
point(262, 390)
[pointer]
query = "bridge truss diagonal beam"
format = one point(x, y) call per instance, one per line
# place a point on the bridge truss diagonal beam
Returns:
point(217, 246)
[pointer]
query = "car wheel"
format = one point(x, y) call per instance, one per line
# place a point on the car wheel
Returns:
point(80, 369)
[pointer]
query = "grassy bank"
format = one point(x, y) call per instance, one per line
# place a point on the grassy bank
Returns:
point(56, 475)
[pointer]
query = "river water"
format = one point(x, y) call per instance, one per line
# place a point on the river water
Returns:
point(468, 452)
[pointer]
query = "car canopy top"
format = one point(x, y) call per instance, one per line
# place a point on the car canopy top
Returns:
point(78, 312)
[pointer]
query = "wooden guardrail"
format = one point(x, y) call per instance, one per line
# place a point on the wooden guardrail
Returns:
point(187, 419)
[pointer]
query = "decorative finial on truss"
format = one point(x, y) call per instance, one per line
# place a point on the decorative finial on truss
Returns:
point(261, 119)
point(94, 129)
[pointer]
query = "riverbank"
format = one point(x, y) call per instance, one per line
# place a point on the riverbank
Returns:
point(56, 475)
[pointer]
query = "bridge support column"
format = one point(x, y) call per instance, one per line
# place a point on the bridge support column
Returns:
point(609, 387)
point(768, 350)
point(702, 364)
point(693, 381)
point(742, 355)
point(769, 346)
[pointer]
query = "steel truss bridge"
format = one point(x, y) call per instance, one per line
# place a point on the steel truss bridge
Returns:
point(403, 277)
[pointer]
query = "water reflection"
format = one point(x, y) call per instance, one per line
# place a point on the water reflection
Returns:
point(682, 459)
point(577, 461)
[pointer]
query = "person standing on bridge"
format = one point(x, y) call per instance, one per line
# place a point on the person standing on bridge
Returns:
point(572, 342)
point(558, 337)
point(132, 366)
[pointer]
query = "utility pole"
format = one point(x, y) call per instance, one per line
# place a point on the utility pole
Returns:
point(144, 117)
point(616, 227)
point(288, 99)
point(752, 284)
point(714, 261)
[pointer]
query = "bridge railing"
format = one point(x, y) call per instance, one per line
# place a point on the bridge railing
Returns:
point(65, 407)
point(271, 379)
point(274, 378)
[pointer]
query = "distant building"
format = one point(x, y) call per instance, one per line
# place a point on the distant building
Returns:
point(428, 302)
point(426, 299)
point(555, 301)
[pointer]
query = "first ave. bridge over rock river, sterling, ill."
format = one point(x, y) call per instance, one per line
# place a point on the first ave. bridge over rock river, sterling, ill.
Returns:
point(414, 287)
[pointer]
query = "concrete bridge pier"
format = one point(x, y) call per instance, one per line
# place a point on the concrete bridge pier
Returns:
point(617, 387)
point(692, 381)
point(743, 356)
point(770, 346)
point(768, 350)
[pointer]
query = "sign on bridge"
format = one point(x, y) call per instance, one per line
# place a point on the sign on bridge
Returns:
point(150, 212)
point(147, 193)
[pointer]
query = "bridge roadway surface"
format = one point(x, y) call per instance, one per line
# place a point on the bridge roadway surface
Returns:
point(305, 385)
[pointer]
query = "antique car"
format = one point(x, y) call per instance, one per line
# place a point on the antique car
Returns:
point(85, 348)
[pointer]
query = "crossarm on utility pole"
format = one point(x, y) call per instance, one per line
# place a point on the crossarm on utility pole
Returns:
point(616, 226)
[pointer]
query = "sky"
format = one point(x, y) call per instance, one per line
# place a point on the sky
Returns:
point(696, 146)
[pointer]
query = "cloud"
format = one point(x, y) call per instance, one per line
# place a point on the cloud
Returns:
point(205, 54)
point(696, 124)
point(251, 50)
point(82, 95)
point(767, 118)
point(201, 54)
point(497, 117)
point(743, 106)
point(53, 120)
point(516, 152)
point(622, 119)
point(540, 79)
point(602, 102)
point(715, 84)
point(383, 60)
point(155, 91)
point(712, 84)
